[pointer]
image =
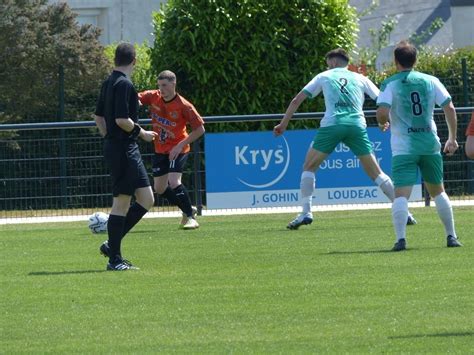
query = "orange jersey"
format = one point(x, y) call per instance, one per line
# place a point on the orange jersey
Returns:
point(169, 119)
point(470, 127)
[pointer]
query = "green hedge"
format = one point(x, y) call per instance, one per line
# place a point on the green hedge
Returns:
point(142, 76)
point(444, 65)
point(248, 57)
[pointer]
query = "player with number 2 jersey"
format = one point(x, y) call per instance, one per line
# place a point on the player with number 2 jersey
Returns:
point(343, 122)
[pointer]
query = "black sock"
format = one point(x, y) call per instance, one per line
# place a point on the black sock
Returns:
point(183, 197)
point(170, 195)
point(134, 214)
point(115, 227)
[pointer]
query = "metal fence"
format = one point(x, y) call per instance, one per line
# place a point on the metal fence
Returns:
point(57, 169)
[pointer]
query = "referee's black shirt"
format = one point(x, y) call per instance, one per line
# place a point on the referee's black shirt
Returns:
point(118, 99)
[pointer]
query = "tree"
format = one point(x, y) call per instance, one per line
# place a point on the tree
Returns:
point(380, 37)
point(248, 57)
point(142, 77)
point(36, 39)
point(446, 65)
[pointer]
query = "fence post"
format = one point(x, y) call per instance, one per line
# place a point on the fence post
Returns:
point(62, 140)
point(197, 176)
point(465, 94)
point(465, 91)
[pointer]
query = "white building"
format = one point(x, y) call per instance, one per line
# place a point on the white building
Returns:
point(131, 20)
point(416, 16)
point(119, 20)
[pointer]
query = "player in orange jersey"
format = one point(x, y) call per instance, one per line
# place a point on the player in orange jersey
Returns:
point(469, 148)
point(171, 114)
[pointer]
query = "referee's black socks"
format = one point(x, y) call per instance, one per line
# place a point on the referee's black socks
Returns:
point(115, 227)
point(134, 214)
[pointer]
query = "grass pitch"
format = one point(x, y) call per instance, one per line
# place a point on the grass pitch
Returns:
point(241, 284)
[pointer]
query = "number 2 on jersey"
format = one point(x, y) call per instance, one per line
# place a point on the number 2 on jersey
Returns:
point(343, 82)
point(416, 103)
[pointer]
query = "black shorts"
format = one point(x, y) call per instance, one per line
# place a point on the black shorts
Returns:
point(162, 164)
point(126, 166)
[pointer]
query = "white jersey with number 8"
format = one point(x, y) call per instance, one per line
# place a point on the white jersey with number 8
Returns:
point(411, 97)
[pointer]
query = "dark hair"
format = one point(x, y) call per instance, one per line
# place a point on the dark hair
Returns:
point(168, 75)
point(124, 54)
point(338, 53)
point(405, 54)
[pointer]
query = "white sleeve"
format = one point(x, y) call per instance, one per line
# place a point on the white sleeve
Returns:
point(385, 97)
point(314, 87)
point(442, 96)
point(370, 88)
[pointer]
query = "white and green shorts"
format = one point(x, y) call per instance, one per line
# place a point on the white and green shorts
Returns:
point(355, 137)
point(405, 169)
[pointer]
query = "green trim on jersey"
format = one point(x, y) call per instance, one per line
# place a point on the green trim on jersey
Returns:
point(398, 76)
point(445, 102)
point(384, 104)
point(307, 93)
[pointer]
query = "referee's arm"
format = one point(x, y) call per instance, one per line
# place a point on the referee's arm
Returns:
point(100, 110)
point(126, 124)
point(129, 126)
point(100, 123)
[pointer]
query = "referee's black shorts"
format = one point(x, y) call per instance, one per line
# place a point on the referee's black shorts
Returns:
point(126, 167)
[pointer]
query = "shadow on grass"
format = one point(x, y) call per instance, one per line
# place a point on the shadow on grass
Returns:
point(362, 252)
point(410, 249)
point(447, 334)
point(154, 231)
point(46, 273)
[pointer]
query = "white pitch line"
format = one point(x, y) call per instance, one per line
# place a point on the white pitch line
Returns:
point(236, 211)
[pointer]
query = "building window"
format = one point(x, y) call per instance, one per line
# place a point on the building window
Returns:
point(88, 16)
point(96, 17)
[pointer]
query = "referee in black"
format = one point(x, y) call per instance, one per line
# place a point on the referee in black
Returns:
point(116, 117)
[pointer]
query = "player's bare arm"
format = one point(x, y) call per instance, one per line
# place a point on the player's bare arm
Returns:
point(451, 144)
point(178, 148)
point(383, 118)
point(100, 123)
point(292, 107)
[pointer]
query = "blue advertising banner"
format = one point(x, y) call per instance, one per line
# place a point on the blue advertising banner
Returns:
point(257, 169)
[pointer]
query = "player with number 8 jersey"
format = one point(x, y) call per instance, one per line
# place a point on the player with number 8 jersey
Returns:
point(408, 99)
point(412, 125)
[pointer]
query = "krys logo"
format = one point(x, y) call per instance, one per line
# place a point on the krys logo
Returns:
point(262, 167)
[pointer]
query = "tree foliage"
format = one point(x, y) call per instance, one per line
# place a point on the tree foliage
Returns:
point(36, 38)
point(248, 57)
point(142, 76)
point(379, 39)
point(444, 65)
